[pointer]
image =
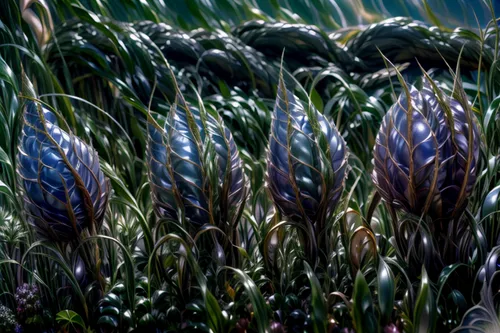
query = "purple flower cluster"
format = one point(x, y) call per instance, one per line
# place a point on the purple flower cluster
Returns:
point(28, 301)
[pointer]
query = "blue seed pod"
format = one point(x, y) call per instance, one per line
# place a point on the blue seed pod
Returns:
point(306, 167)
point(422, 162)
point(230, 165)
point(65, 190)
point(178, 168)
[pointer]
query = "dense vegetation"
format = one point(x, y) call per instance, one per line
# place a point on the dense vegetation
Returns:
point(234, 166)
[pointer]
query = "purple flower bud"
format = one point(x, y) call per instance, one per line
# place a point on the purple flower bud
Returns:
point(422, 161)
point(65, 190)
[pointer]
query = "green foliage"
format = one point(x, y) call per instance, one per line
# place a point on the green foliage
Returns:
point(240, 198)
point(70, 320)
point(363, 314)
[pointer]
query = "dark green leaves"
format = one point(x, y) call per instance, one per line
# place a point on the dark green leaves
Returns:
point(69, 318)
point(318, 313)
point(410, 39)
point(260, 307)
point(187, 194)
point(386, 291)
point(424, 316)
point(363, 313)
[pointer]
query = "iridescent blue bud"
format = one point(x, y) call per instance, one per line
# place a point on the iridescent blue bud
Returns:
point(422, 161)
point(306, 167)
point(64, 189)
point(179, 169)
